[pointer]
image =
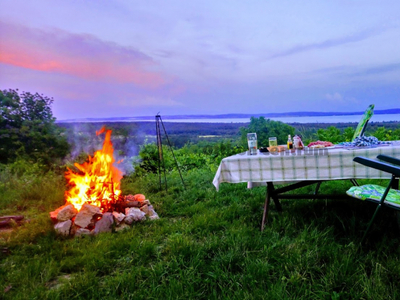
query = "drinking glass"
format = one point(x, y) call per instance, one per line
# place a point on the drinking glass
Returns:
point(273, 144)
point(252, 142)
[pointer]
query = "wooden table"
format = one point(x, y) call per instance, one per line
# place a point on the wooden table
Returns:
point(300, 168)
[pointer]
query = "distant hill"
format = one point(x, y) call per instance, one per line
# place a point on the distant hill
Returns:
point(237, 116)
point(285, 114)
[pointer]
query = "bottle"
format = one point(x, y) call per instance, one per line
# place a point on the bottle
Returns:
point(289, 142)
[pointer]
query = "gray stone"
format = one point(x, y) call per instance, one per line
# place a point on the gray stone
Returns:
point(66, 213)
point(133, 204)
point(154, 217)
point(118, 217)
point(63, 227)
point(122, 227)
point(104, 224)
point(150, 212)
point(133, 214)
point(129, 220)
point(73, 229)
point(85, 215)
point(145, 209)
point(54, 214)
point(82, 231)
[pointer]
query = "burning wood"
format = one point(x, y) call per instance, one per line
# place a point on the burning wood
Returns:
point(98, 182)
point(94, 202)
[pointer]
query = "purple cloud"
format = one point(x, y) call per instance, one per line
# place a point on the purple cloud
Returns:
point(80, 55)
point(356, 37)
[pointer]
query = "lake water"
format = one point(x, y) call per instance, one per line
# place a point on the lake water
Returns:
point(322, 119)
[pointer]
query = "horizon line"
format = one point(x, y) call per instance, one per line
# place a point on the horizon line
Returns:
point(244, 116)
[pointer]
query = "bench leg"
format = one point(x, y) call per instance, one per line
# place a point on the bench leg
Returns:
point(395, 184)
point(370, 222)
point(354, 182)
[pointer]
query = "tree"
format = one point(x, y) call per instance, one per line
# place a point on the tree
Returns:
point(27, 128)
point(265, 129)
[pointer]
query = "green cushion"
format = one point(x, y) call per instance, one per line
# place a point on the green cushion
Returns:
point(373, 191)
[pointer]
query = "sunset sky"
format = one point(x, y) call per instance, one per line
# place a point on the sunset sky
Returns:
point(115, 58)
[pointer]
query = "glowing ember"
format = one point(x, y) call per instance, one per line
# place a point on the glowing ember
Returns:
point(98, 181)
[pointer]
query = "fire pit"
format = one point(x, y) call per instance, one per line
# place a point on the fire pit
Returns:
point(95, 202)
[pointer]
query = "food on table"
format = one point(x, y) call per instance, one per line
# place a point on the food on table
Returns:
point(279, 148)
point(320, 144)
point(363, 141)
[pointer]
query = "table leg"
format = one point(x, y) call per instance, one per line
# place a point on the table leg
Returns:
point(270, 194)
point(265, 213)
point(317, 188)
point(274, 195)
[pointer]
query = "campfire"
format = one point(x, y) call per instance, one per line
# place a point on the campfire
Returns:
point(95, 203)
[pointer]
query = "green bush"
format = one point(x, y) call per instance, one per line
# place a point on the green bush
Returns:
point(335, 135)
point(384, 134)
point(265, 129)
point(191, 156)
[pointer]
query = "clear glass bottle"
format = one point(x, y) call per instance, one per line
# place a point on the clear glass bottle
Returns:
point(289, 143)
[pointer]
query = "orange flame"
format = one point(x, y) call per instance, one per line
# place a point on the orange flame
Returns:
point(98, 182)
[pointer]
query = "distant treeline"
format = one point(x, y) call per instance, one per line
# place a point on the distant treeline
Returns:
point(181, 133)
point(244, 116)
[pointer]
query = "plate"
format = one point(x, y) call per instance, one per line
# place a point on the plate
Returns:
point(313, 147)
point(279, 148)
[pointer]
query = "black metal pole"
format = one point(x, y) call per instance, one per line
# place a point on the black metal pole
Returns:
point(170, 148)
point(160, 152)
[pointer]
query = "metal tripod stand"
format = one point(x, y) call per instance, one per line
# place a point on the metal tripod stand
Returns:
point(160, 152)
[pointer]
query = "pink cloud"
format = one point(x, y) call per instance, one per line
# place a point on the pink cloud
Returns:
point(83, 56)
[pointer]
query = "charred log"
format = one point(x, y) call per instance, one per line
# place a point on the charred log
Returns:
point(9, 220)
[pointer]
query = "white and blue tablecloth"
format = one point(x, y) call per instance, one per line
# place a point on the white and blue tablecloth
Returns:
point(301, 165)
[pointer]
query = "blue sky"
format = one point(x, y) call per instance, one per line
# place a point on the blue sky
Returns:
point(119, 58)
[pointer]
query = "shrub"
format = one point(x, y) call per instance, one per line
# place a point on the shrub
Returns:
point(334, 135)
point(265, 129)
point(384, 134)
point(189, 157)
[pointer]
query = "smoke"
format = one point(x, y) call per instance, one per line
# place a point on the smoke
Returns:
point(84, 141)
point(125, 151)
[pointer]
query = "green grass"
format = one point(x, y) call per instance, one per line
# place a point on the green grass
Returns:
point(206, 245)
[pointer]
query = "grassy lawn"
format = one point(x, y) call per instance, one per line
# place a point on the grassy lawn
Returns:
point(206, 245)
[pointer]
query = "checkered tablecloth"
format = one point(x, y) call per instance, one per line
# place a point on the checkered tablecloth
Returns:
point(301, 165)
